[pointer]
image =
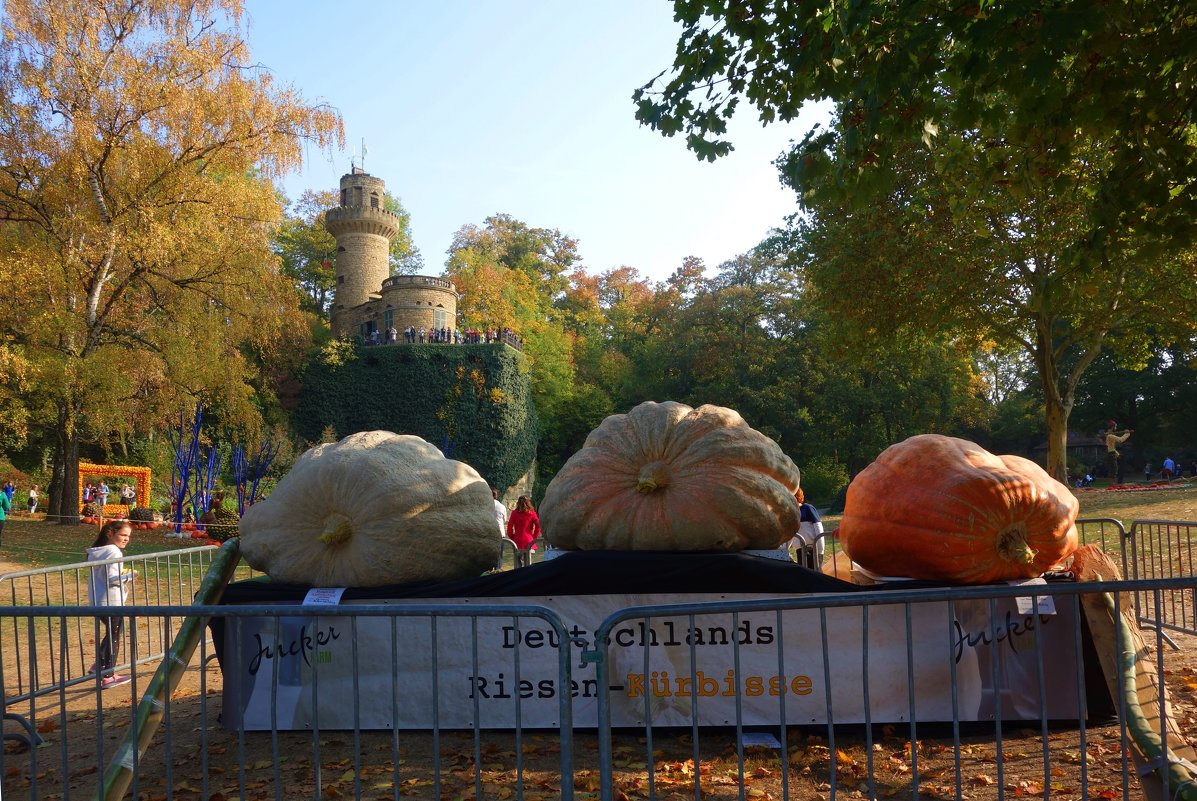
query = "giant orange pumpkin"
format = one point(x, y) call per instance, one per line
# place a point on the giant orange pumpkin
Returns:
point(667, 477)
point(945, 509)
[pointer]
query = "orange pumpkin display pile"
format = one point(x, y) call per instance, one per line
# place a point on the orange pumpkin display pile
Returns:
point(945, 509)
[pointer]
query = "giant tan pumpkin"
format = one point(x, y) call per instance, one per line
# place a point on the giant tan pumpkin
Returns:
point(665, 476)
point(375, 508)
point(941, 508)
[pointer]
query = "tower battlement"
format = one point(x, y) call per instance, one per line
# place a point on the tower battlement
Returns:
point(362, 219)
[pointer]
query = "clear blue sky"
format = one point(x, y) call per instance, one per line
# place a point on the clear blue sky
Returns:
point(473, 108)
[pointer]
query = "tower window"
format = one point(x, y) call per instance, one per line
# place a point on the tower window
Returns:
point(373, 200)
point(340, 279)
point(344, 197)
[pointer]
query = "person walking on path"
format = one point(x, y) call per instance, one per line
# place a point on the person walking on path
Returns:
point(1114, 438)
point(808, 545)
point(1169, 468)
point(32, 499)
point(523, 527)
point(500, 513)
point(109, 585)
point(5, 506)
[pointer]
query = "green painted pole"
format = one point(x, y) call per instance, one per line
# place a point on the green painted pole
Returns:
point(1178, 773)
point(150, 711)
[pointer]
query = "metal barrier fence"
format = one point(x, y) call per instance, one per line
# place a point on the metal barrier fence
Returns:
point(930, 720)
point(202, 752)
point(1164, 549)
point(1152, 549)
point(1106, 532)
point(977, 692)
point(39, 657)
point(911, 723)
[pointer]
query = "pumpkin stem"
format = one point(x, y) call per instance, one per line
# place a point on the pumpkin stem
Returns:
point(653, 476)
point(1012, 546)
point(337, 529)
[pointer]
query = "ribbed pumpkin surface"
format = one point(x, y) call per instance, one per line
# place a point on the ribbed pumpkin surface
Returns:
point(945, 509)
point(665, 476)
point(375, 508)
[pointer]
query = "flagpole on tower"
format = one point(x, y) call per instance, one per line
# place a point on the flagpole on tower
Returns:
point(363, 154)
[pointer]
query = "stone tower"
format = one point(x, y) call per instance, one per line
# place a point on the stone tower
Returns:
point(363, 229)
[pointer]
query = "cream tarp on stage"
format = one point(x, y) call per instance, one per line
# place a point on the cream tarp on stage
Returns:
point(331, 671)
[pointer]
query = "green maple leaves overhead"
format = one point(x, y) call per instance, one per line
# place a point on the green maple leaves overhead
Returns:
point(1036, 79)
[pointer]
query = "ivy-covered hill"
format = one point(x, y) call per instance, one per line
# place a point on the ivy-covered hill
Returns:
point(472, 401)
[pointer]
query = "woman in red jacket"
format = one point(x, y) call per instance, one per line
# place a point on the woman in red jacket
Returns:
point(523, 526)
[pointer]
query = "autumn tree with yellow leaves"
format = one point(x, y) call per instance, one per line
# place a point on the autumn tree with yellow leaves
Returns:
point(138, 144)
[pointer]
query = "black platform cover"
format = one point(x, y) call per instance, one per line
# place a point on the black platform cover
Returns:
point(592, 573)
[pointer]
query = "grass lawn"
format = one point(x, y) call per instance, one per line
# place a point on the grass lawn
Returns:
point(33, 542)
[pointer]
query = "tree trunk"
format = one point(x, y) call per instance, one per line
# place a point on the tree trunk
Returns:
point(66, 470)
point(1057, 441)
point(1057, 404)
point(57, 476)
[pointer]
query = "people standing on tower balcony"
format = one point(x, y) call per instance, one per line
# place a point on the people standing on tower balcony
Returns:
point(392, 335)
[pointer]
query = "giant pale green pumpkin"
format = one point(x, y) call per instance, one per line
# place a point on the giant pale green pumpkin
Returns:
point(375, 508)
point(941, 508)
point(665, 476)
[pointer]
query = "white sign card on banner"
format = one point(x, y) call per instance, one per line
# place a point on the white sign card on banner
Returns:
point(477, 671)
point(327, 596)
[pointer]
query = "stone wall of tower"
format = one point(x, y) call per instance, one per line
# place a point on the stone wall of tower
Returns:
point(363, 229)
point(416, 299)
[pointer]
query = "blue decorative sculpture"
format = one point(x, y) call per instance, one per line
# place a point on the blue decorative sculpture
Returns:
point(250, 470)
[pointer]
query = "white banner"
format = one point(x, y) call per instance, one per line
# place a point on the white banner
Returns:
point(332, 672)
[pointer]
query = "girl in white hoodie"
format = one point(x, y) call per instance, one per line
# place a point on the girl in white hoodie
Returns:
point(109, 585)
